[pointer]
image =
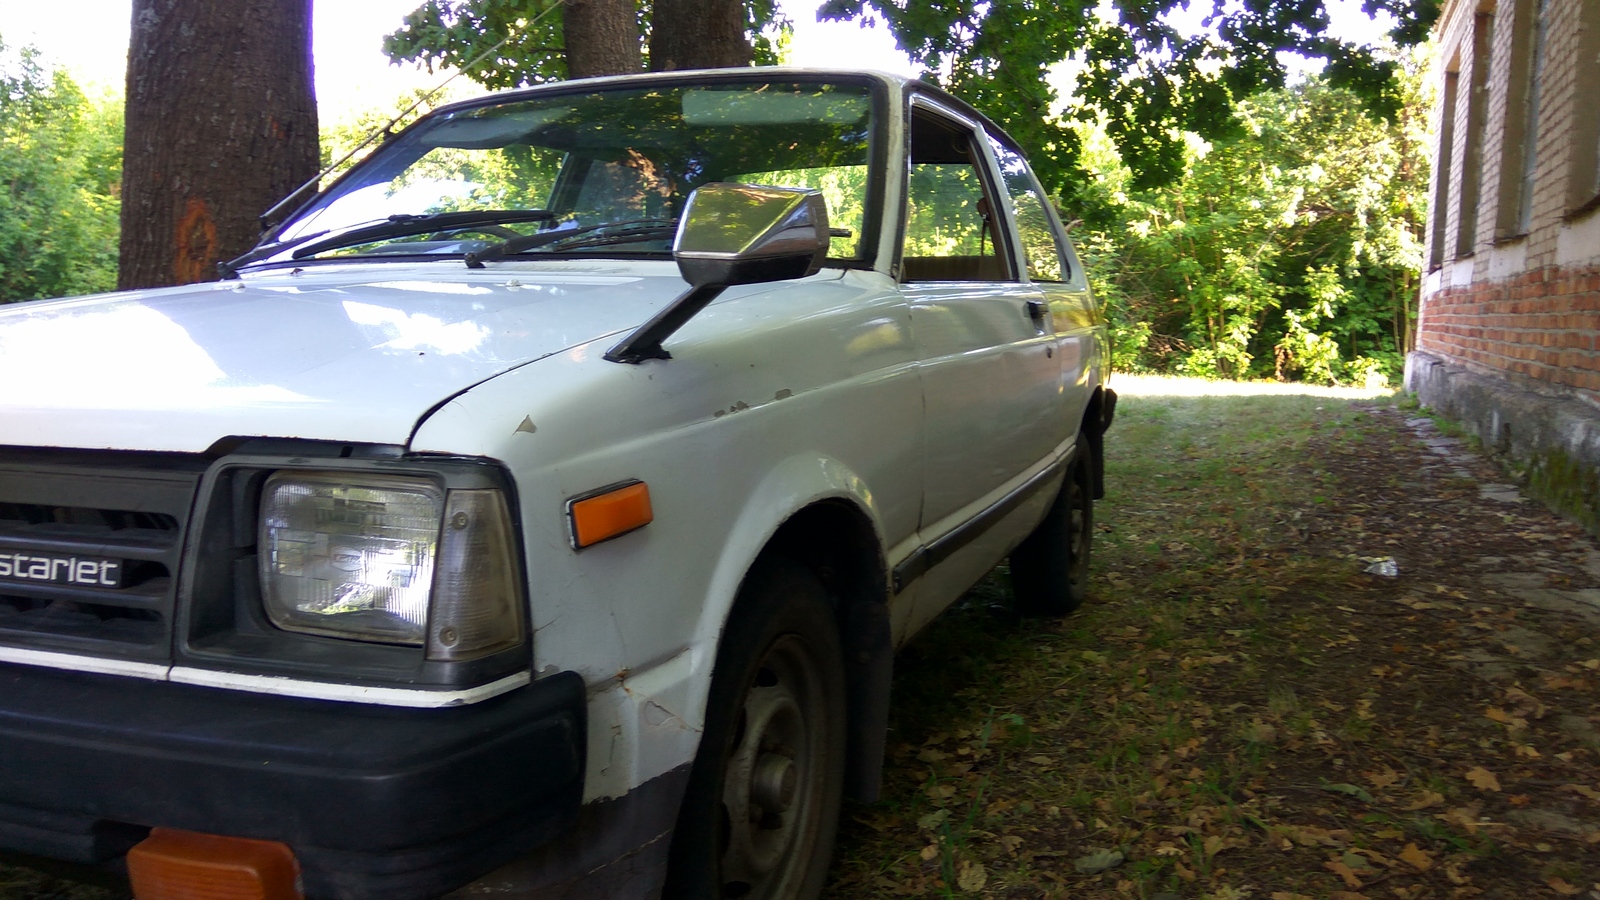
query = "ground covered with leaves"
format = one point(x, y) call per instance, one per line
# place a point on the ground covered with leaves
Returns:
point(1241, 709)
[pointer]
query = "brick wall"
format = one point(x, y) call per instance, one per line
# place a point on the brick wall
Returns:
point(1542, 324)
point(1501, 297)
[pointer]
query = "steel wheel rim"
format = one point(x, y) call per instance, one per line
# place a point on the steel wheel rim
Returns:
point(772, 784)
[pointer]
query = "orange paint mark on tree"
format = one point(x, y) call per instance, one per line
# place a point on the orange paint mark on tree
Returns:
point(195, 240)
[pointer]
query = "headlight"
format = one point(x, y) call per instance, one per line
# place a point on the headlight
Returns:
point(391, 560)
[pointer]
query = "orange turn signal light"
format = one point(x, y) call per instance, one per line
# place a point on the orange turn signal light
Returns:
point(608, 512)
point(185, 865)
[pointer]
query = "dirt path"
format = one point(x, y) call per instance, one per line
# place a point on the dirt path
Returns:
point(1242, 710)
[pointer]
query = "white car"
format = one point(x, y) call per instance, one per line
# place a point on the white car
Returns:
point(539, 507)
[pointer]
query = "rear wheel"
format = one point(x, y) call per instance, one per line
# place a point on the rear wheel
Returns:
point(1050, 569)
point(762, 806)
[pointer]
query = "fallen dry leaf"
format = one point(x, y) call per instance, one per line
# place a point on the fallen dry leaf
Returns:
point(1381, 780)
point(1464, 816)
point(1098, 861)
point(1483, 779)
point(1496, 714)
point(972, 876)
point(1561, 887)
point(1343, 871)
point(1583, 789)
point(1525, 703)
point(1287, 895)
point(1417, 857)
point(1425, 800)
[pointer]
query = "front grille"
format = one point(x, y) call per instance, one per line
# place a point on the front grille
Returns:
point(89, 547)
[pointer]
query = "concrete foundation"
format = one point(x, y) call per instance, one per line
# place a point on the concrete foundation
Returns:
point(1548, 436)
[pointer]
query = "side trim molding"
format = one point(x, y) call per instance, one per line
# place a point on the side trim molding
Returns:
point(416, 698)
point(347, 693)
point(926, 557)
point(75, 663)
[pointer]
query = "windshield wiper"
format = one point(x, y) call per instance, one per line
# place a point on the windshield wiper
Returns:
point(574, 238)
point(407, 225)
point(230, 269)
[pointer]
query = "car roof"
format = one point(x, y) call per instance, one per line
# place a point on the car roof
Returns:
point(888, 80)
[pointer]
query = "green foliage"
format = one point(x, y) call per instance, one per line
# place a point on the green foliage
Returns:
point(1290, 250)
point(60, 173)
point(339, 139)
point(455, 32)
point(1135, 76)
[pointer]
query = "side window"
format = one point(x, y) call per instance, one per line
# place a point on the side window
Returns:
point(951, 227)
point(1046, 256)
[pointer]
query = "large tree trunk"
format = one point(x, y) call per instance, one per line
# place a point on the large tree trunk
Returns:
point(602, 37)
point(698, 34)
point(221, 124)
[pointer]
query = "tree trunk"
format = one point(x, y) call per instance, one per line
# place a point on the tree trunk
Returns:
point(221, 123)
point(698, 34)
point(602, 37)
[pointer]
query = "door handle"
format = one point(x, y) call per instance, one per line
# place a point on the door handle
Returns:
point(1038, 312)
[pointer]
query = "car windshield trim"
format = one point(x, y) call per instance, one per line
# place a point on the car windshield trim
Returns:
point(875, 90)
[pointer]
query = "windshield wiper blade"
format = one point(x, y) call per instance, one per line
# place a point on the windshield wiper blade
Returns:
point(611, 233)
point(230, 269)
point(407, 225)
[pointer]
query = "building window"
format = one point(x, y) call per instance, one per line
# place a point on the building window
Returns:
point(1520, 137)
point(1441, 167)
point(1472, 153)
point(1583, 191)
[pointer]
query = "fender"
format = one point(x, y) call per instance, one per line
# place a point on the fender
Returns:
point(646, 703)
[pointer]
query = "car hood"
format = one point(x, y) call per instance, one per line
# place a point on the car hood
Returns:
point(356, 353)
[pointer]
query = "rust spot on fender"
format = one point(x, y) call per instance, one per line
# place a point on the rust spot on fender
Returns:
point(195, 240)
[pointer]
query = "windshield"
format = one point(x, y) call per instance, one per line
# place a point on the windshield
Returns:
point(601, 173)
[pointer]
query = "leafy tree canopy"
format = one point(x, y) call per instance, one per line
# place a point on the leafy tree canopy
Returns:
point(1289, 250)
point(455, 32)
point(1135, 72)
point(60, 168)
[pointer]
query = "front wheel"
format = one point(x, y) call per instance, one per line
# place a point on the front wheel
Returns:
point(762, 807)
point(1050, 568)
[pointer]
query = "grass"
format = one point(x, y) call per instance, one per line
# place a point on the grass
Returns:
point(1211, 705)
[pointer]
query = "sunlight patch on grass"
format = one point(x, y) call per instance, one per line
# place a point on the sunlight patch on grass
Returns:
point(1171, 386)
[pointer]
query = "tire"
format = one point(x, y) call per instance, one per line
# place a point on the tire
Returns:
point(1050, 568)
point(762, 807)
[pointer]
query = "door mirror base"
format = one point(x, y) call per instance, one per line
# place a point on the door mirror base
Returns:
point(733, 234)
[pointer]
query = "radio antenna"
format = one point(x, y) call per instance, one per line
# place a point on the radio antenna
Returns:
point(387, 129)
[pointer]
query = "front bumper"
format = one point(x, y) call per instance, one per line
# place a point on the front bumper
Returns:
point(375, 801)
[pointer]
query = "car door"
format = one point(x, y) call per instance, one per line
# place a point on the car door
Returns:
point(1053, 269)
point(984, 335)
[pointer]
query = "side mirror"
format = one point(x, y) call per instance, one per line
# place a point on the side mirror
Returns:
point(747, 234)
point(733, 234)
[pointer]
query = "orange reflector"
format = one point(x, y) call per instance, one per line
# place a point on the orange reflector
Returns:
point(183, 865)
point(613, 511)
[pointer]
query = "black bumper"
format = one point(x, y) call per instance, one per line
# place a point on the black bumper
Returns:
point(375, 801)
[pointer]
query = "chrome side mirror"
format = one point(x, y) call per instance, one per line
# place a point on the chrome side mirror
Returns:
point(748, 234)
point(733, 234)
